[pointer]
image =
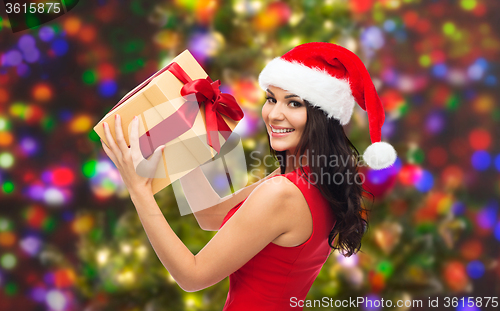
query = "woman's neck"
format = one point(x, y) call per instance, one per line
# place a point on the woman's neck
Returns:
point(292, 161)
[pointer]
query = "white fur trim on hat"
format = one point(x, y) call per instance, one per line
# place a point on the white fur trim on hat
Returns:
point(332, 95)
point(379, 155)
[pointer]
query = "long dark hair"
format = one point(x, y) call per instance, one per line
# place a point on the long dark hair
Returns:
point(324, 138)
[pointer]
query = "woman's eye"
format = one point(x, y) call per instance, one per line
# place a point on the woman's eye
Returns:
point(271, 100)
point(295, 104)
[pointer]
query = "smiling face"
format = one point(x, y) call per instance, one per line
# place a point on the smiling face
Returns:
point(285, 115)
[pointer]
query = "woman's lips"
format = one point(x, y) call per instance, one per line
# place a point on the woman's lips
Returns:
point(273, 134)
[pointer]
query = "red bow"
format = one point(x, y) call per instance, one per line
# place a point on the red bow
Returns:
point(207, 93)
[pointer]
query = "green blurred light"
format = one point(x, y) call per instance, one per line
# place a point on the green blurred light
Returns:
point(49, 224)
point(385, 267)
point(187, 4)
point(48, 123)
point(468, 4)
point(89, 168)
point(6, 160)
point(89, 77)
point(108, 184)
point(137, 8)
point(8, 261)
point(10, 289)
point(89, 271)
point(424, 60)
point(132, 66)
point(379, 16)
point(32, 21)
point(8, 187)
point(93, 136)
point(5, 225)
point(4, 124)
point(453, 102)
point(57, 28)
point(69, 2)
point(18, 109)
point(404, 109)
point(496, 114)
point(416, 155)
point(96, 234)
point(449, 28)
point(110, 286)
point(133, 46)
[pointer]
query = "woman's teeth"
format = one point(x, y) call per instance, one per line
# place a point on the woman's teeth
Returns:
point(282, 130)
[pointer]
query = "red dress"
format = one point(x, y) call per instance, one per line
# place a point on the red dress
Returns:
point(278, 277)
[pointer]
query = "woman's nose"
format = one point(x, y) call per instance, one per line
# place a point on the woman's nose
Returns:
point(277, 112)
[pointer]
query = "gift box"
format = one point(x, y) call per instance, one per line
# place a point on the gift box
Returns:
point(182, 108)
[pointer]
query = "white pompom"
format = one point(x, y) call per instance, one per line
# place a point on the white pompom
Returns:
point(379, 155)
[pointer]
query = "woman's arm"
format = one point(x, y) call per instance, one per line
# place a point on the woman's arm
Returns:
point(265, 215)
point(208, 208)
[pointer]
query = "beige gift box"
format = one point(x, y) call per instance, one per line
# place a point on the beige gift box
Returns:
point(156, 102)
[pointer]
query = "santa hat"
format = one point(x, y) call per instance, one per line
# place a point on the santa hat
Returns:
point(333, 79)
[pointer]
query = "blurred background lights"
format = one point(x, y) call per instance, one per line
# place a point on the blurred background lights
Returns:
point(425, 183)
point(102, 256)
point(62, 176)
point(432, 62)
point(6, 160)
point(435, 122)
point(389, 25)
point(31, 245)
point(351, 261)
point(475, 269)
point(497, 162)
point(29, 145)
point(497, 231)
point(46, 33)
point(53, 197)
point(56, 300)
point(31, 55)
point(42, 92)
point(481, 160)
point(126, 276)
point(26, 42)
point(480, 139)
point(106, 180)
point(60, 47)
point(81, 124)
point(8, 261)
point(23, 70)
point(373, 38)
point(487, 216)
point(440, 70)
point(38, 294)
point(35, 192)
point(126, 248)
point(107, 88)
point(12, 58)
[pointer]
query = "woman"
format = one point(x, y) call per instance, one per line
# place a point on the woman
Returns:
point(273, 243)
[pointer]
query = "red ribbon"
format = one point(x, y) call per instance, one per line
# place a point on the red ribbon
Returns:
point(216, 104)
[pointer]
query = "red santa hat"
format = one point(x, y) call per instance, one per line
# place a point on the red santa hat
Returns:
point(333, 79)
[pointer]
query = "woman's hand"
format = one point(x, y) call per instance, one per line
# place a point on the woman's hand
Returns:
point(136, 172)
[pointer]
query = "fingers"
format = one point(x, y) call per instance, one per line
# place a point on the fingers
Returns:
point(119, 134)
point(135, 148)
point(111, 141)
point(108, 152)
point(134, 133)
point(155, 158)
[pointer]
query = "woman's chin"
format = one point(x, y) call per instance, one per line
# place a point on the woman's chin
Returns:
point(280, 147)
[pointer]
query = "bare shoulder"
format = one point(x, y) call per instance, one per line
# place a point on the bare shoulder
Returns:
point(278, 193)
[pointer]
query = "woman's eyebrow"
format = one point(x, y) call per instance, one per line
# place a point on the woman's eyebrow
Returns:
point(270, 92)
point(290, 96)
